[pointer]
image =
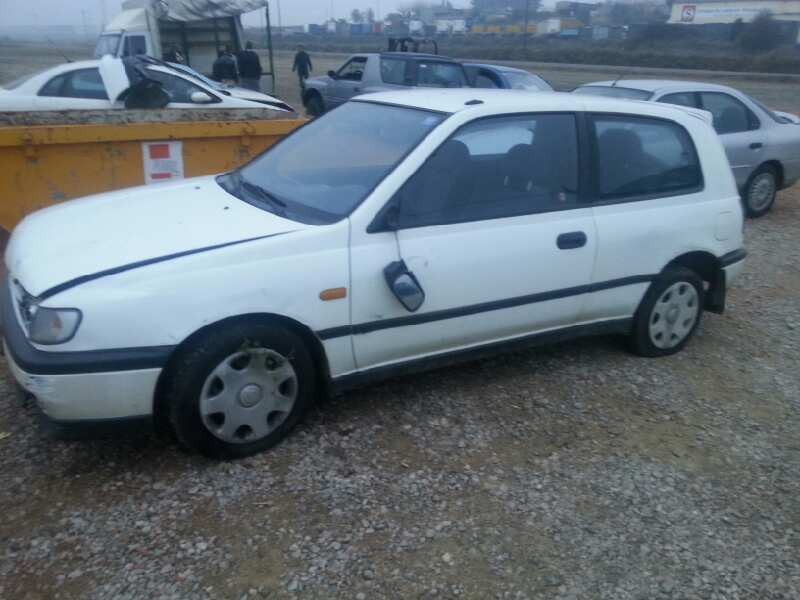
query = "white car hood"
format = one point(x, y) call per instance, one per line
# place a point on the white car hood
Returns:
point(114, 231)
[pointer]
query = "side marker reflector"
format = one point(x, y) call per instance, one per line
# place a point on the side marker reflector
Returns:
point(333, 294)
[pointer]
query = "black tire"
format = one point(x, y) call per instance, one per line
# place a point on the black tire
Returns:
point(188, 373)
point(641, 342)
point(756, 196)
point(315, 106)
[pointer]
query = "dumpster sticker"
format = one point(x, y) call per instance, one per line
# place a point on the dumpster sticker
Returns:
point(687, 13)
point(163, 161)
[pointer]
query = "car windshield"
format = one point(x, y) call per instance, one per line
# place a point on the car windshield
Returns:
point(321, 172)
point(107, 44)
point(613, 92)
point(526, 81)
point(183, 69)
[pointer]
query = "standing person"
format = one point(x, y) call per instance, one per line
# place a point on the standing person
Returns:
point(302, 64)
point(224, 68)
point(174, 55)
point(249, 68)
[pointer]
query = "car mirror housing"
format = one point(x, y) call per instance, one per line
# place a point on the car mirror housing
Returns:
point(332, 74)
point(404, 285)
point(201, 98)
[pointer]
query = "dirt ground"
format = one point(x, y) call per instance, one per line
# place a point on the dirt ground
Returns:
point(570, 472)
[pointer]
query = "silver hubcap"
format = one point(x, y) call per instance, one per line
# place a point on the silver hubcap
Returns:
point(762, 189)
point(674, 315)
point(248, 395)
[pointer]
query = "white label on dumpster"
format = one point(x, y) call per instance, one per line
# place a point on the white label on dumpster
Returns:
point(163, 161)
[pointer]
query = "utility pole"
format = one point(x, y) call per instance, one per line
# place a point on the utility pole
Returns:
point(525, 31)
point(280, 23)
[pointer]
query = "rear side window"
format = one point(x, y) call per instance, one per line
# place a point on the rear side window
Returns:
point(730, 114)
point(640, 157)
point(439, 74)
point(495, 168)
point(82, 83)
point(134, 45)
point(484, 79)
point(393, 70)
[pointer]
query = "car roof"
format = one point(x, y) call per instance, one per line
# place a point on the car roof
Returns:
point(659, 85)
point(420, 55)
point(509, 101)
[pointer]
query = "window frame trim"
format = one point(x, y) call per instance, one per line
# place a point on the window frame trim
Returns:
point(594, 190)
point(379, 225)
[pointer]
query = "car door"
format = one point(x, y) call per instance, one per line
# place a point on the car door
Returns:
point(744, 138)
point(647, 198)
point(348, 80)
point(493, 228)
point(79, 89)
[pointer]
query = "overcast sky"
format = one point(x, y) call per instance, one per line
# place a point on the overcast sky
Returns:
point(292, 12)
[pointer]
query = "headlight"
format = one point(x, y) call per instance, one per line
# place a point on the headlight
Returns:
point(54, 325)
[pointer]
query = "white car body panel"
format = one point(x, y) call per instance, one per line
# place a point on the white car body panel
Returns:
point(144, 303)
point(112, 70)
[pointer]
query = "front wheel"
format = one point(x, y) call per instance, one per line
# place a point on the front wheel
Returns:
point(759, 192)
point(669, 313)
point(239, 388)
point(314, 106)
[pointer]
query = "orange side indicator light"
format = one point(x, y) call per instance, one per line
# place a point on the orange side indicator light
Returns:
point(333, 294)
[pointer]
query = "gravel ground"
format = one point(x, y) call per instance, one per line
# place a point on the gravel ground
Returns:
point(575, 471)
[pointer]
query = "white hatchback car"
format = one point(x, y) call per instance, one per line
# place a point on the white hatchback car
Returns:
point(398, 232)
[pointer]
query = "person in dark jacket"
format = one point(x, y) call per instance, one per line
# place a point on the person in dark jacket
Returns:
point(302, 64)
point(224, 68)
point(249, 68)
point(174, 55)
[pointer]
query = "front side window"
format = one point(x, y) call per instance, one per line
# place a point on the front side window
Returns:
point(613, 91)
point(353, 70)
point(641, 157)
point(134, 45)
point(680, 98)
point(439, 74)
point(307, 176)
point(82, 83)
point(179, 89)
point(494, 168)
point(108, 43)
point(730, 114)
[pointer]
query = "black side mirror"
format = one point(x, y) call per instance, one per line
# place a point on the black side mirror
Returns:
point(404, 285)
point(332, 74)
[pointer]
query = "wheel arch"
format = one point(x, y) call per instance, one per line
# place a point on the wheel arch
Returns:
point(314, 344)
point(778, 166)
point(709, 268)
point(311, 93)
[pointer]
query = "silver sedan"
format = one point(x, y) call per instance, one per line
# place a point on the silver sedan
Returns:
point(763, 145)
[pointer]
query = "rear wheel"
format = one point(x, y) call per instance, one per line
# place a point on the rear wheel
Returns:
point(314, 106)
point(669, 313)
point(760, 190)
point(240, 389)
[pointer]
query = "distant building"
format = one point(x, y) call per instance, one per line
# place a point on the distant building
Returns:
point(730, 11)
point(451, 25)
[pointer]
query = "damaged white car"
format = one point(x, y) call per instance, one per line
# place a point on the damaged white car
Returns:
point(134, 82)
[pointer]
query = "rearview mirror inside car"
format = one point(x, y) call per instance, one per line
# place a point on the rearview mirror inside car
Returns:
point(404, 285)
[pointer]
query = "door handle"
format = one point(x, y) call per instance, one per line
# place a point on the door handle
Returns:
point(356, 89)
point(756, 145)
point(571, 240)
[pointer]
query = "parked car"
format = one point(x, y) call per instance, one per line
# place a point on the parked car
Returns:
point(102, 84)
point(506, 78)
point(456, 223)
point(365, 73)
point(763, 145)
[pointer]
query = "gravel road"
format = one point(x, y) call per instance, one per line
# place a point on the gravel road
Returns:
point(576, 471)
